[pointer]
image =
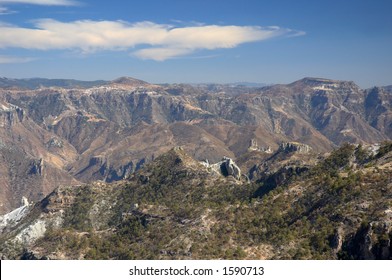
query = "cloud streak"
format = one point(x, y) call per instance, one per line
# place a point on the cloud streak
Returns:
point(145, 40)
point(4, 59)
point(41, 2)
point(3, 11)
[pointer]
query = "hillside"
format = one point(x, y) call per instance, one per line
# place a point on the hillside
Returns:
point(62, 132)
point(178, 208)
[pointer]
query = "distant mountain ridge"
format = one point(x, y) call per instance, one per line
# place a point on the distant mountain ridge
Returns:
point(36, 83)
point(234, 84)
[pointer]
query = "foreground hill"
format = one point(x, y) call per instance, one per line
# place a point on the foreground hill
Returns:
point(62, 132)
point(175, 207)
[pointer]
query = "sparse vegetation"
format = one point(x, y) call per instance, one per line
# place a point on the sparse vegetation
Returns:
point(175, 209)
point(77, 216)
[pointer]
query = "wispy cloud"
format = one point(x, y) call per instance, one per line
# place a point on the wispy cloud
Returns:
point(297, 34)
point(6, 11)
point(4, 59)
point(41, 2)
point(3, 10)
point(165, 41)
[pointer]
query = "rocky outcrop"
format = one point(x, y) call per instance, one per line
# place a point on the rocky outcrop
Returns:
point(226, 167)
point(255, 147)
point(14, 216)
point(337, 240)
point(24, 202)
point(55, 143)
point(104, 169)
point(289, 147)
point(229, 168)
point(270, 180)
point(10, 114)
point(37, 167)
point(371, 241)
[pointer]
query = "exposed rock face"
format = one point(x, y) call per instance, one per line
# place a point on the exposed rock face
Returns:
point(290, 159)
point(226, 167)
point(229, 168)
point(255, 147)
point(377, 109)
point(289, 147)
point(364, 245)
point(337, 240)
point(273, 178)
point(13, 217)
point(10, 114)
point(25, 202)
point(55, 143)
point(37, 167)
point(24, 175)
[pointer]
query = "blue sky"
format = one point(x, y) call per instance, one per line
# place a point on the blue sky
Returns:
point(198, 41)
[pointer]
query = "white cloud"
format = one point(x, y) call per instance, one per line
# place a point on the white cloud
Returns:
point(165, 41)
point(4, 59)
point(161, 54)
point(6, 11)
point(41, 2)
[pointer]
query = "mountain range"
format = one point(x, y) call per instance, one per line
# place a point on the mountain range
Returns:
point(67, 132)
point(99, 170)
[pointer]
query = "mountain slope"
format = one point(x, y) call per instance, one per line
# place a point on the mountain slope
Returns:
point(31, 158)
point(177, 208)
point(87, 131)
